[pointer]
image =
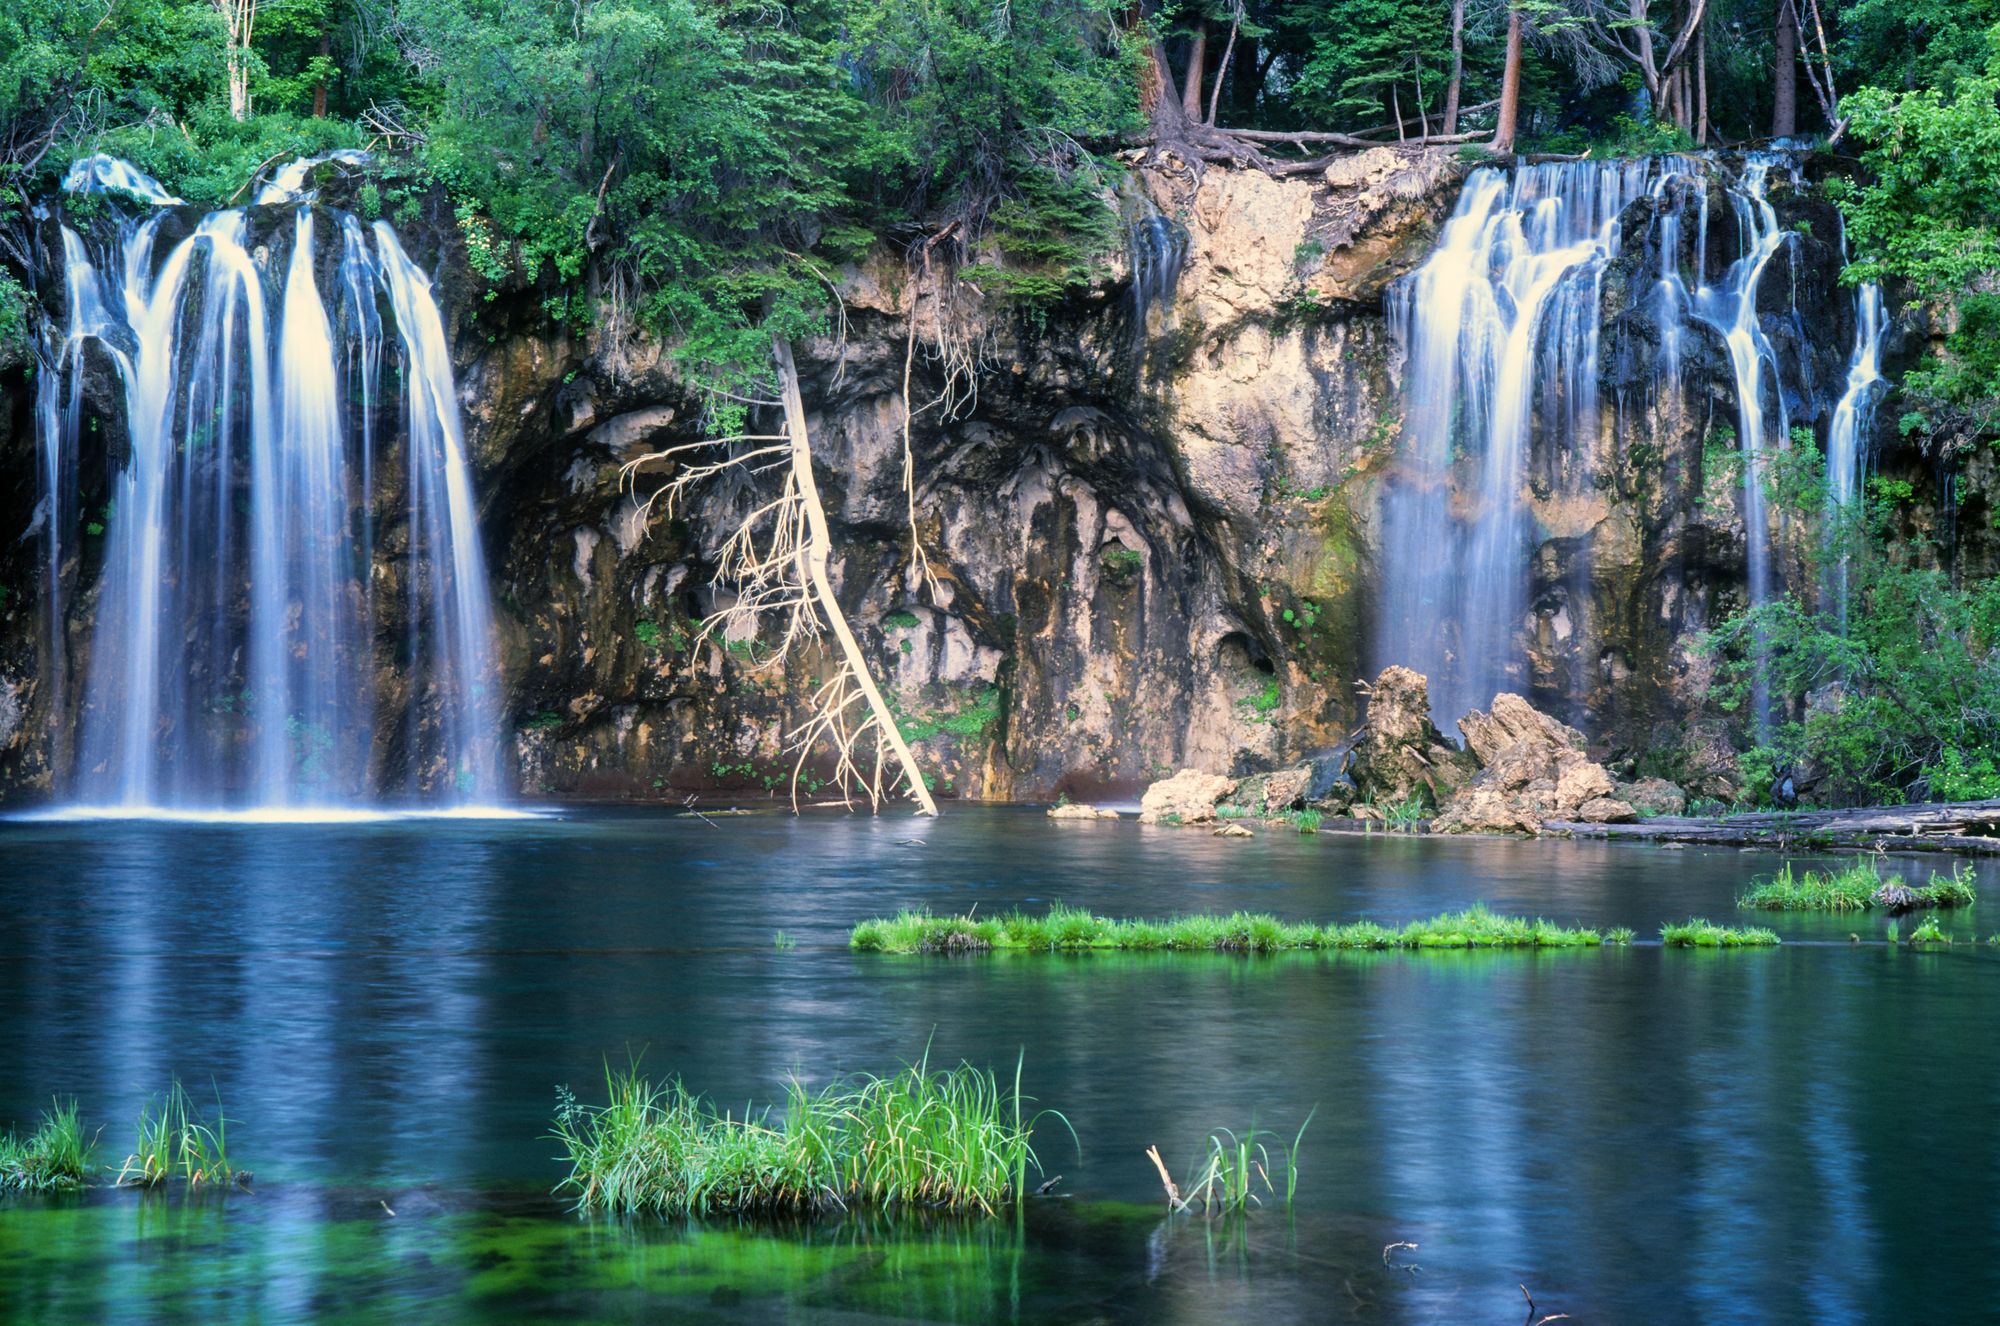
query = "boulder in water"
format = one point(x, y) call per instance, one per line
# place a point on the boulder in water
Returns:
point(1076, 810)
point(1189, 797)
point(1401, 755)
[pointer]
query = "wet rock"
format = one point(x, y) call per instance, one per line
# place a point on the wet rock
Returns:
point(1076, 810)
point(1189, 797)
point(1234, 831)
point(1401, 755)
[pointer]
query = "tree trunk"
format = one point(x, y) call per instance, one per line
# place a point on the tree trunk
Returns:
point(1191, 80)
point(319, 88)
point(1785, 74)
point(1510, 88)
point(1222, 65)
point(1457, 67)
point(819, 548)
point(1701, 87)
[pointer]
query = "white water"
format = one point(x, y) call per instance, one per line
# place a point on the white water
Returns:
point(235, 643)
point(1847, 436)
point(1500, 327)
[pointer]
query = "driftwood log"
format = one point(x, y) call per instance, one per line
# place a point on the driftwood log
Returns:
point(1971, 827)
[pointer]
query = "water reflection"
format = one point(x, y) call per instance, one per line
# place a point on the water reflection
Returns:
point(1635, 1134)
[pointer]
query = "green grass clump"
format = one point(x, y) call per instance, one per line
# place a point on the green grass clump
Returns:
point(1929, 932)
point(1237, 1165)
point(1620, 935)
point(1070, 929)
point(55, 1157)
point(1699, 933)
point(954, 1140)
point(174, 1143)
point(1853, 889)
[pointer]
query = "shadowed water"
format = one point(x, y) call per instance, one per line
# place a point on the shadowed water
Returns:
point(1637, 1135)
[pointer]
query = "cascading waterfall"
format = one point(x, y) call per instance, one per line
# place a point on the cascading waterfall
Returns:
point(1847, 436)
point(1500, 334)
point(232, 663)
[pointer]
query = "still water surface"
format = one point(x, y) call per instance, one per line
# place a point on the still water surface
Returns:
point(1636, 1135)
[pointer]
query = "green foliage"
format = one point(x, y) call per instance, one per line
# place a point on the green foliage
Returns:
point(1905, 692)
point(55, 1157)
point(1927, 210)
point(1698, 933)
point(1069, 929)
point(648, 634)
point(955, 1140)
point(1928, 931)
point(173, 1142)
point(1853, 889)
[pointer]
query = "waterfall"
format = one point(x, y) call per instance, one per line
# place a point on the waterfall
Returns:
point(1847, 435)
point(1499, 329)
point(236, 649)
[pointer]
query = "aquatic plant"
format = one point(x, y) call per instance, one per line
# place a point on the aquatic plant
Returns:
point(1929, 932)
point(55, 1157)
point(1236, 1164)
point(1853, 889)
point(1699, 933)
point(174, 1143)
point(954, 1140)
point(1620, 935)
point(783, 942)
point(1069, 929)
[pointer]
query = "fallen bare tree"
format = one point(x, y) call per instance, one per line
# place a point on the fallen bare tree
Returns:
point(774, 564)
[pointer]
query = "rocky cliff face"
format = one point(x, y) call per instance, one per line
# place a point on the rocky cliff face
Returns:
point(1153, 531)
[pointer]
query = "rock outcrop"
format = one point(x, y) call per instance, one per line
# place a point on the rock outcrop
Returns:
point(1076, 810)
point(1532, 768)
point(1401, 755)
point(1189, 797)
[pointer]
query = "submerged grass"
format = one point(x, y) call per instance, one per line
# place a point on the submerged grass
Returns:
point(55, 1157)
point(1069, 929)
point(173, 1142)
point(1853, 889)
point(1699, 933)
point(955, 1140)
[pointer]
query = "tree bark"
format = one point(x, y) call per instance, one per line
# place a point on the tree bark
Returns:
point(819, 548)
point(319, 88)
point(1222, 65)
point(1191, 80)
point(1510, 88)
point(1785, 74)
point(1457, 67)
point(1701, 88)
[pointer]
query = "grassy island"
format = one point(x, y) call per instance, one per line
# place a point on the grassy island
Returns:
point(1858, 888)
point(1069, 929)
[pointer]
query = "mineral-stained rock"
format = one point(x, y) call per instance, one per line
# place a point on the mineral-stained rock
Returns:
point(1189, 797)
point(1652, 796)
point(1709, 767)
point(1401, 754)
point(1076, 810)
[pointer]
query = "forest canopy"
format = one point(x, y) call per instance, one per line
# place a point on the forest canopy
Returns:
point(711, 159)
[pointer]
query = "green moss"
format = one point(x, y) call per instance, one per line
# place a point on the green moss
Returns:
point(900, 620)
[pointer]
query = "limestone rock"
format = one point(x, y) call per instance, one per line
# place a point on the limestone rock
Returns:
point(1709, 767)
point(1234, 831)
point(1534, 770)
point(1652, 796)
point(1401, 754)
point(1606, 810)
point(1189, 797)
point(1076, 810)
point(1510, 720)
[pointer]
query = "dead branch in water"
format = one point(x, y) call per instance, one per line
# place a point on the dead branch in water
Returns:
point(1174, 1198)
